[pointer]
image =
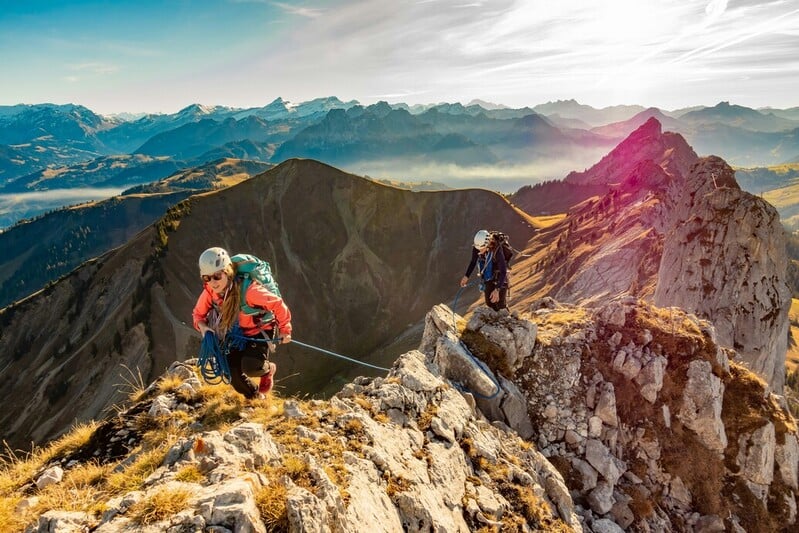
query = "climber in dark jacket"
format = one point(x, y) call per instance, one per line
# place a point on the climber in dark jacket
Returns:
point(492, 269)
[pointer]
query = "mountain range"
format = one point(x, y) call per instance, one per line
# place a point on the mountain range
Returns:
point(35, 137)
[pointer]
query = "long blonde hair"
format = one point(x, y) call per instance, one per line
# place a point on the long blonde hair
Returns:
point(231, 301)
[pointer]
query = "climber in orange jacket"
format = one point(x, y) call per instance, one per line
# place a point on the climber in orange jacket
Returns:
point(218, 308)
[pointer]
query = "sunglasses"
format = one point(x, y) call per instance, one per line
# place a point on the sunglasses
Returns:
point(216, 276)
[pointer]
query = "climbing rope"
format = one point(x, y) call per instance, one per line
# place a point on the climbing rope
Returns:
point(477, 361)
point(334, 354)
point(237, 340)
point(212, 360)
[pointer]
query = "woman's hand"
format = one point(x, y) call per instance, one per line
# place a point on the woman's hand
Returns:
point(204, 328)
point(464, 281)
point(494, 297)
point(285, 339)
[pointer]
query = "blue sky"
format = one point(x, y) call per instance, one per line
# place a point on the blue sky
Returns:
point(118, 56)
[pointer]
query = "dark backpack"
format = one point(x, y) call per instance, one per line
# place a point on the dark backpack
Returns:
point(248, 268)
point(504, 243)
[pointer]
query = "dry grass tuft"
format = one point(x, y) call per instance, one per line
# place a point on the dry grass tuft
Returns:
point(353, 426)
point(10, 519)
point(161, 504)
point(220, 412)
point(271, 502)
point(132, 477)
point(133, 385)
point(169, 383)
point(18, 468)
point(298, 470)
point(190, 474)
point(426, 418)
point(395, 484)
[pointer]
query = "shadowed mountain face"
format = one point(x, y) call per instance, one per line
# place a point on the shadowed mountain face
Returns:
point(357, 262)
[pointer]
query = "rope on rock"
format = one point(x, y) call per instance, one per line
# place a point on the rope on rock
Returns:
point(478, 362)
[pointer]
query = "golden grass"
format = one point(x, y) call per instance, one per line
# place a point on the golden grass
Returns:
point(190, 474)
point(792, 357)
point(271, 503)
point(426, 418)
point(133, 385)
point(16, 469)
point(133, 476)
point(545, 221)
point(395, 484)
point(353, 426)
point(161, 504)
point(10, 519)
point(560, 318)
point(169, 383)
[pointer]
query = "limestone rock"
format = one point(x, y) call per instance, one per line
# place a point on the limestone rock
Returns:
point(756, 455)
point(52, 475)
point(701, 405)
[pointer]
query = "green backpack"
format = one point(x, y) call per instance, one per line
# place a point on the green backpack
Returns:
point(248, 268)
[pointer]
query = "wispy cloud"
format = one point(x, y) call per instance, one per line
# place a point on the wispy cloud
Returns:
point(307, 12)
point(300, 11)
point(668, 53)
point(743, 33)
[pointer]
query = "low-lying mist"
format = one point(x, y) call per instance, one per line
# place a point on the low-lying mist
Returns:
point(19, 206)
point(505, 178)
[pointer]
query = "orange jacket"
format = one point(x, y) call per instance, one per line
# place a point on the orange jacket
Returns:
point(257, 296)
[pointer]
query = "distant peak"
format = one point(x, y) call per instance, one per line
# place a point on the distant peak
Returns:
point(197, 109)
point(652, 126)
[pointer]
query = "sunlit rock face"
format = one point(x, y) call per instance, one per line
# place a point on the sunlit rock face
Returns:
point(724, 258)
point(676, 230)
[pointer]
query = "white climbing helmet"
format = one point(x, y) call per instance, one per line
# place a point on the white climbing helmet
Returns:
point(481, 239)
point(213, 260)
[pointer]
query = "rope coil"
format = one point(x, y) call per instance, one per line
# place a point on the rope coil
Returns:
point(212, 360)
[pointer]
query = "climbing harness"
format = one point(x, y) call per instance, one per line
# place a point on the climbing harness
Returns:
point(477, 361)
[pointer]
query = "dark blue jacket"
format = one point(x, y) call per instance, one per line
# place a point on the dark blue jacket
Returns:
point(497, 270)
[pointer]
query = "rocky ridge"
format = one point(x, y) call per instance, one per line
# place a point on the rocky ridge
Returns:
point(622, 417)
point(404, 452)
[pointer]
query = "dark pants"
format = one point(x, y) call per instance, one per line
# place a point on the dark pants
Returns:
point(503, 294)
point(252, 361)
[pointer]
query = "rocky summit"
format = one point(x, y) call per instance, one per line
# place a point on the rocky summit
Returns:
point(562, 418)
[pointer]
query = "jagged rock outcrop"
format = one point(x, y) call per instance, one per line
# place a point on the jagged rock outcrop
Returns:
point(675, 230)
point(648, 142)
point(732, 273)
point(652, 426)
